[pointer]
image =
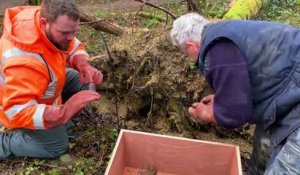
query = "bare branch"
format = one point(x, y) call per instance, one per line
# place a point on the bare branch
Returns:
point(157, 7)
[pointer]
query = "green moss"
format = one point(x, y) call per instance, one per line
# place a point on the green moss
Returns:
point(244, 9)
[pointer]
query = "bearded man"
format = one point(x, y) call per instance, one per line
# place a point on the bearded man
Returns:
point(44, 78)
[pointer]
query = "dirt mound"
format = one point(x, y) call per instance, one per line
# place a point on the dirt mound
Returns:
point(150, 84)
point(150, 78)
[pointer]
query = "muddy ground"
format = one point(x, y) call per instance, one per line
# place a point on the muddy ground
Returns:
point(148, 86)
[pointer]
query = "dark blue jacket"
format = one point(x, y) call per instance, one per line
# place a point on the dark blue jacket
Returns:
point(272, 53)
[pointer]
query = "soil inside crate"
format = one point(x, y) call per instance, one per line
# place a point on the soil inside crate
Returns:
point(136, 171)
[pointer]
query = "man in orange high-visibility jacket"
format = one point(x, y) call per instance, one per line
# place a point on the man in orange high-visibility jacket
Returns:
point(38, 93)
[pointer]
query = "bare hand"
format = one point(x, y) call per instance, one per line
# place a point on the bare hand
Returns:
point(203, 111)
point(208, 99)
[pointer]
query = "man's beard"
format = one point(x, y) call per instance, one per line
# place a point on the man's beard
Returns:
point(56, 44)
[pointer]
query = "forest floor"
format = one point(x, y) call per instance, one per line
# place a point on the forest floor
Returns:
point(116, 5)
point(148, 86)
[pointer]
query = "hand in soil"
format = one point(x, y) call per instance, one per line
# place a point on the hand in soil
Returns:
point(203, 110)
point(208, 99)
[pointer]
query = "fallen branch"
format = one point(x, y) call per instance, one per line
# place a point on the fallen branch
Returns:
point(231, 3)
point(157, 7)
point(91, 22)
point(244, 9)
point(101, 25)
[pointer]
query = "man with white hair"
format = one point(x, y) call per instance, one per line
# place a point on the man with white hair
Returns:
point(254, 68)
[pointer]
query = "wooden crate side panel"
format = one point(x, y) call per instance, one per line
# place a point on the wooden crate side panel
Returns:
point(117, 163)
point(179, 156)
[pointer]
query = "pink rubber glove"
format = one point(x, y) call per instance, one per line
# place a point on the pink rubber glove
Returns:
point(87, 72)
point(59, 115)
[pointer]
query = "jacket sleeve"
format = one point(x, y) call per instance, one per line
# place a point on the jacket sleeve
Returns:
point(25, 81)
point(76, 51)
point(227, 72)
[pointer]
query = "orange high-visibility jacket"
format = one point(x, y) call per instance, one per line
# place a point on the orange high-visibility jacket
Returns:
point(32, 69)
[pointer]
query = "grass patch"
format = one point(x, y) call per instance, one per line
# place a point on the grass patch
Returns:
point(215, 9)
point(287, 12)
point(102, 14)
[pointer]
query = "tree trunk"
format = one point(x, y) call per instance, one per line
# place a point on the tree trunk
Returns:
point(193, 6)
point(101, 25)
point(244, 9)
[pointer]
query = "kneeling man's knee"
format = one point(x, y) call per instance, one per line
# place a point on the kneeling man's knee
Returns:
point(59, 149)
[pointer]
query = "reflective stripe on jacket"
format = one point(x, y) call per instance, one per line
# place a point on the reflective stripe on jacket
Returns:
point(32, 69)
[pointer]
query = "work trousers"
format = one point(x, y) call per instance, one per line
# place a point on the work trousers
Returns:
point(42, 143)
point(269, 160)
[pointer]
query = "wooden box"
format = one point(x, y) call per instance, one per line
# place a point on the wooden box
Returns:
point(139, 153)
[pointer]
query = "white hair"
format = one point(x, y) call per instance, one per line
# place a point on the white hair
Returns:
point(188, 27)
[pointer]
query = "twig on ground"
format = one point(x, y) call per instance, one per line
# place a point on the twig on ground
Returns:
point(149, 115)
point(135, 16)
point(167, 19)
point(157, 7)
point(95, 57)
point(110, 63)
